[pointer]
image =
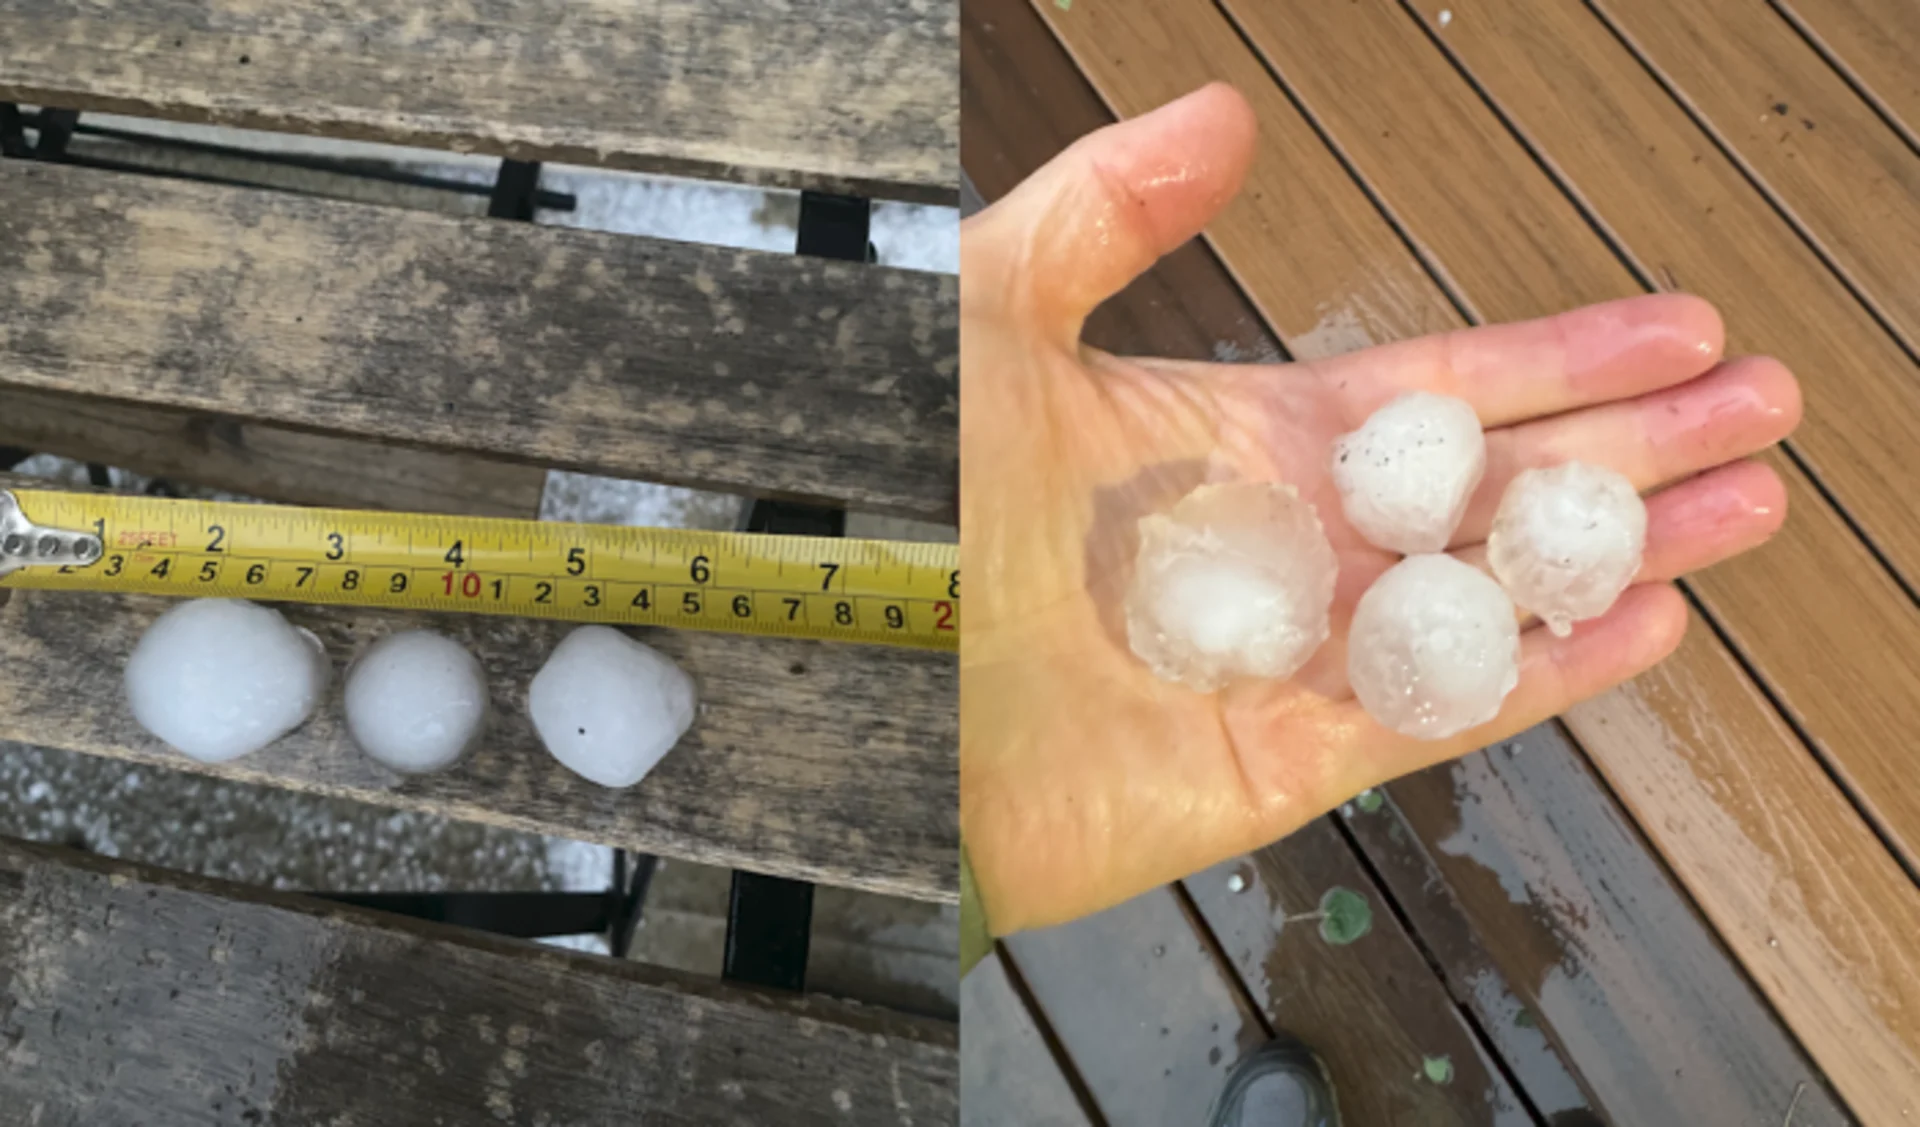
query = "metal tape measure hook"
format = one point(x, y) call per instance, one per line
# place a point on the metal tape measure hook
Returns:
point(25, 544)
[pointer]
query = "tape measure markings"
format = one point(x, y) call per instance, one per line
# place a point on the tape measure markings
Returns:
point(850, 590)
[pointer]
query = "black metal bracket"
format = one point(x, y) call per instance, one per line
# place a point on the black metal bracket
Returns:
point(13, 133)
point(516, 192)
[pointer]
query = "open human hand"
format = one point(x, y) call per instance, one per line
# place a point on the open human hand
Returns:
point(1086, 780)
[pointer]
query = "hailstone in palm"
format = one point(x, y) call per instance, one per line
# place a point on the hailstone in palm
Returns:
point(416, 701)
point(217, 679)
point(608, 707)
point(1406, 475)
point(1236, 581)
point(1434, 647)
point(1566, 541)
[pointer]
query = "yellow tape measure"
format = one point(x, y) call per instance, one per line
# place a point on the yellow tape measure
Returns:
point(874, 591)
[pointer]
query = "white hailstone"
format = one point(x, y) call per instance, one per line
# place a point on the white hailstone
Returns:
point(1567, 540)
point(608, 707)
point(1406, 475)
point(1236, 581)
point(416, 701)
point(1434, 647)
point(220, 678)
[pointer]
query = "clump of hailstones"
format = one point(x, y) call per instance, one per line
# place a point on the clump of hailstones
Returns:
point(416, 701)
point(608, 707)
point(1434, 648)
point(1567, 540)
point(1406, 475)
point(1236, 581)
point(217, 679)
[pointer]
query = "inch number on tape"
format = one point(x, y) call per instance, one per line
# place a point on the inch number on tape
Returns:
point(883, 592)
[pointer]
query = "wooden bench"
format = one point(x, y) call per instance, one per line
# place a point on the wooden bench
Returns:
point(1630, 912)
point(318, 350)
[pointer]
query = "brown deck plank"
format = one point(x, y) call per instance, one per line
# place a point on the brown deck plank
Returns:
point(130, 995)
point(1514, 245)
point(271, 463)
point(1618, 971)
point(758, 373)
point(824, 762)
point(1871, 41)
point(1845, 177)
point(1148, 1017)
point(1372, 1009)
point(1007, 1071)
point(826, 94)
point(1757, 816)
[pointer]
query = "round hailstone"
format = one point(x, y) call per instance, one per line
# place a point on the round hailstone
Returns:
point(1567, 540)
point(608, 707)
point(220, 678)
point(1235, 582)
point(1406, 475)
point(1434, 648)
point(416, 701)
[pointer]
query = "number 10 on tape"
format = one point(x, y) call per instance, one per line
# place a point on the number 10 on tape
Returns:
point(883, 592)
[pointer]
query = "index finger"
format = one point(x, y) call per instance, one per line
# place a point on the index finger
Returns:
point(1528, 369)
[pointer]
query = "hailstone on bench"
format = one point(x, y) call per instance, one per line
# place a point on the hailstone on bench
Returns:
point(1406, 475)
point(416, 701)
point(1236, 581)
point(221, 678)
point(1566, 541)
point(608, 707)
point(1434, 648)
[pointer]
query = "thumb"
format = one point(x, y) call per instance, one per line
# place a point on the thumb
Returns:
point(1104, 211)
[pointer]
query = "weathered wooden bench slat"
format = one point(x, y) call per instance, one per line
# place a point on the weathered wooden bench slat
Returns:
point(1712, 775)
point(264, 461)
point(757, 373)
point(833, 763)
point(217, 1004)
point(827, 94)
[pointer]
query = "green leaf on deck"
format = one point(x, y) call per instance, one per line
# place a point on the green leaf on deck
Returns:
point(1438, 1069)
point(1369, 801)
point(1345, 916)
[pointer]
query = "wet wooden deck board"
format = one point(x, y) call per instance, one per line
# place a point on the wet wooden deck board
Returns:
point(1823, 154)
point(1620, 973)
point(1831, 634)
point(1149, 1018)
point(1008, 1073)
point(271, 463)
point(1871, 41)
point(132, 995)
point(823, 762)
point(1767, 834)
point(829, 94)
point(1372, 1008)
point(769, 374)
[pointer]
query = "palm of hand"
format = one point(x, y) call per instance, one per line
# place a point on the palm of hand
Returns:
point(1110, 769)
